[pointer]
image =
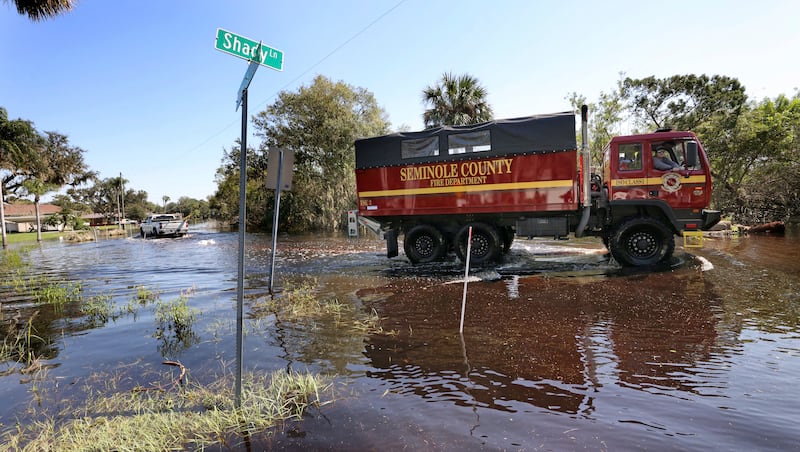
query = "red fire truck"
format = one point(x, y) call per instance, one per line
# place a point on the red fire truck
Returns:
point(527, 177)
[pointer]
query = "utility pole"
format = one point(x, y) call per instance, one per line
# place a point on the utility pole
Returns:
point(122, 196)
point(2, 214)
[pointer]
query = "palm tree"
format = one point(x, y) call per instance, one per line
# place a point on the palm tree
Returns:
point(37, 10)
point(456, 100)
point(165, 198)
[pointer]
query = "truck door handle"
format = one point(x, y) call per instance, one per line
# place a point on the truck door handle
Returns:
point(654, 193)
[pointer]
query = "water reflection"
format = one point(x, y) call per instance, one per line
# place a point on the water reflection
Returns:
point(554, 344)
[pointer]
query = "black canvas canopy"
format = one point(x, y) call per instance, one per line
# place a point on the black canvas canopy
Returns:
point(526, 135)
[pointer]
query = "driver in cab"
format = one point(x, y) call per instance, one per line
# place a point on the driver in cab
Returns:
point(663, 162)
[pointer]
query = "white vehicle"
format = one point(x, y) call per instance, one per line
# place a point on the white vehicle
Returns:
point(164, 225)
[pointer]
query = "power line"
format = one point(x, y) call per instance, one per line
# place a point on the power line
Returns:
point(290, 83)
point(342, 45)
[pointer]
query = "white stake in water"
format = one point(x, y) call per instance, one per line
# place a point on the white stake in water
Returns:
point(466, 280)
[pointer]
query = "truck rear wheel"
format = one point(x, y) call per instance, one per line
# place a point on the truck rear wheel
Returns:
point(424, 243)
point(641, 241)
point(486, 243)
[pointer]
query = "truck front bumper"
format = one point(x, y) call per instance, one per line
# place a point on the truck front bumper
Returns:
point(710, 218)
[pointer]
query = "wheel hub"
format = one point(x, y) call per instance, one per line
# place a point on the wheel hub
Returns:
point(480, 245)
point(424, 245)
point(642, 244)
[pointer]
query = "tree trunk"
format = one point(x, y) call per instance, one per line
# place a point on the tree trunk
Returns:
point(3, 216)
point(38, 219)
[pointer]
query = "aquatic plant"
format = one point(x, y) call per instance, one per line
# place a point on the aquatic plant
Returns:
point(58, 293)
point(100, 309)
point(20, 343)
point(10, 260)
point(175, 315)
point(144, 295)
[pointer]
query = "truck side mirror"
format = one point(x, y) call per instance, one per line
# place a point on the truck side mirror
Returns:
point(691, 154)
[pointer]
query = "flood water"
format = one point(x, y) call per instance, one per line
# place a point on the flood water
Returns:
point(561, 349)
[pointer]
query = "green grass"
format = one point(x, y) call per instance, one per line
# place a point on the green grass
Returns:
point(184, 416)
point(11, 260)
point(302, 301)
point(27, 237)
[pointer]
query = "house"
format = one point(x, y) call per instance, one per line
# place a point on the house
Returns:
point(95, 219)
point(22, 217)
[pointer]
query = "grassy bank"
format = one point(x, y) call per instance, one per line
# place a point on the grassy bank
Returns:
point(185, 415)
point(30, 237)
point(104, 232)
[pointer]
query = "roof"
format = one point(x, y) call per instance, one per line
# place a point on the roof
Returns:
point(28, 210)
point(530, 134)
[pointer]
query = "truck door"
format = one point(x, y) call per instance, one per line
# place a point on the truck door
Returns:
point(628, 175)
point(682, 186)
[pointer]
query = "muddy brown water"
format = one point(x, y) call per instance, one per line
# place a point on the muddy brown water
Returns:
point(561, 348)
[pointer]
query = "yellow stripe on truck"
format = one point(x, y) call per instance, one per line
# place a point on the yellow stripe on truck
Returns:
point(654, 181)
point(468, 188)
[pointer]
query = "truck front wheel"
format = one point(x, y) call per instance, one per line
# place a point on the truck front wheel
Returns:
point(641, 241)
point(423, 244)
point(486, 244)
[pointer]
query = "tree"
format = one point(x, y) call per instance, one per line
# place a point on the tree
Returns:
point(37, 10)
point(37, 188)
point(16, 137)
point(684, 101)
point(456, 100)
point(224, 204)
point(70, 214)
point(320, 123)
point(102, 196)
point(56, 164)
point(756, 160)
point(192, 208)
point(165, 198)
point(605, 119)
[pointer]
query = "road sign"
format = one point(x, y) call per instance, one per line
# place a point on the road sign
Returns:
point(248, 49)
point(280, 165)
point(248, 77)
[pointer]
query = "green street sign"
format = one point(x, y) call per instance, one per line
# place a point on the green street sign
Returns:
point(248, 49)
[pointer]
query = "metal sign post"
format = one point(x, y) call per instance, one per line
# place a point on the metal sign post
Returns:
point(275, 222)
point(256, 54)
point(279, 177)
point(240, 260)
point(466, 281)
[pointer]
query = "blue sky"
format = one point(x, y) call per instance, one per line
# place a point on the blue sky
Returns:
point(140, 87)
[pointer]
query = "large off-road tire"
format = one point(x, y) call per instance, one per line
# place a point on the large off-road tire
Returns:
point(641, 241)
point(486, 244)
point(423, 244)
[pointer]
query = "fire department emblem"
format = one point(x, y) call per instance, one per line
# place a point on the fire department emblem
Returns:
point(671, 182)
